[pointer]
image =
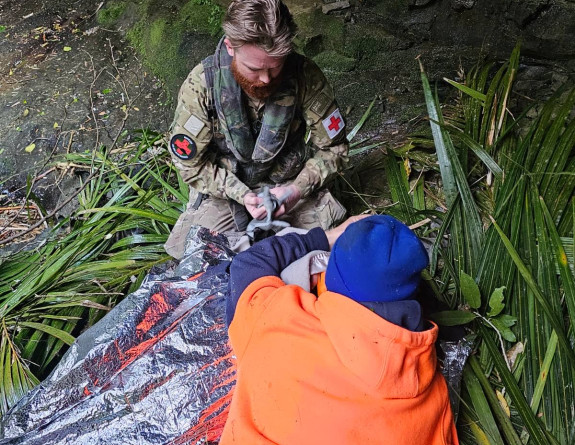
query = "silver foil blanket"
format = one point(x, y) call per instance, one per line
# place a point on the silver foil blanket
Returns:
point(157, 369)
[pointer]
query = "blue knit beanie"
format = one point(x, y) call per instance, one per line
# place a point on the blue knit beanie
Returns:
point(376, 259)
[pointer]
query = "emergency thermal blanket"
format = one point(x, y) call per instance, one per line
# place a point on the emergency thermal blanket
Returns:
point(156, 370)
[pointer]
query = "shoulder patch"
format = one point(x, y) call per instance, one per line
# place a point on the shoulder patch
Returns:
point(183, 146)
point(194, 125)
point(333, 124)
point(321, 103)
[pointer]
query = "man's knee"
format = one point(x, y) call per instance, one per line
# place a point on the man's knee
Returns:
point(212, 213)
point(321, 209)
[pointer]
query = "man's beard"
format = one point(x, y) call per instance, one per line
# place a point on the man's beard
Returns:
point(257, 90)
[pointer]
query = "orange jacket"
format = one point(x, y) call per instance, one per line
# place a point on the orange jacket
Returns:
point(327, 370)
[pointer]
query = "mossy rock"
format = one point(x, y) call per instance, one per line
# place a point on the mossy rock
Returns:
point(172, 38)
point(371, 46)
point(111, 13)
point(332, 61)
point(319, 32)
point(201, 16)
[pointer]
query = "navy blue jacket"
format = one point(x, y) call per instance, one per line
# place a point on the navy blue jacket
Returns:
point(271, 256)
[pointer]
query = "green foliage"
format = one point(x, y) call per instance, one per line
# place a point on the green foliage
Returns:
point(496, 302)
point(509, 185)
point(202, 16)
point(470, 290)
point(453, 318)
point(503, 248)
point(373, 48)
point(90, 261)
point(472, 296)
point(159, 43)
point(319, 32)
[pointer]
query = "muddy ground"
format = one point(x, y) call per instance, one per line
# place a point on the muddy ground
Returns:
point(66, 84)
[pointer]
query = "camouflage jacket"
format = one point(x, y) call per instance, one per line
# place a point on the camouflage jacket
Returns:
point(197, 137)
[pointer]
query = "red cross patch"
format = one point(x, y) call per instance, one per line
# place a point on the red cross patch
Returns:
point(183, 146)
point(333, 124)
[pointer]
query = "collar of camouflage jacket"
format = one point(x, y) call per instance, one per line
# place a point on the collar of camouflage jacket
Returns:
point(279, 111)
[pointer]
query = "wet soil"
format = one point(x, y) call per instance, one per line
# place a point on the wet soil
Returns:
point(66, 85)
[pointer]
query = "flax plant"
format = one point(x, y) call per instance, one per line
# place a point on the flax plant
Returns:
point(90, 260)
point(500, 255)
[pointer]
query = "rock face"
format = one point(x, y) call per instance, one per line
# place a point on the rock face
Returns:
point(546, 27)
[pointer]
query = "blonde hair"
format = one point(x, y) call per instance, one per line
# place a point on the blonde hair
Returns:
point(268, 24)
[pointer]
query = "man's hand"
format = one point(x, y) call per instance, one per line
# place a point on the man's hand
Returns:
point(251, 202)
point(333, 234)
point(289, 194)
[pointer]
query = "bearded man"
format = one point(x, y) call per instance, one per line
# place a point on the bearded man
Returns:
point(241, 123)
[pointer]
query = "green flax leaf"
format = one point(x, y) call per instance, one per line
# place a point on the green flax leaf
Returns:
point(453, 318)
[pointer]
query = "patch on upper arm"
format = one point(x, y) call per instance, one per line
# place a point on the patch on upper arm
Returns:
point(333, 124)
point(183, 146)
point(194, 125)
point(321, 103)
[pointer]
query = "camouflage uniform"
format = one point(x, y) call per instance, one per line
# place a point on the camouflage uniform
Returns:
point(226, 144)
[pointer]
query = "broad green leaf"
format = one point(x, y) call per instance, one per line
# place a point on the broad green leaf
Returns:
point(506, 320)
point(496, 302)
point(470, 290)
point(505, 332)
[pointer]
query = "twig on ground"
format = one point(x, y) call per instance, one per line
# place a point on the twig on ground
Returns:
point(500, 339)
point(53, 212)
point(18, 208)
point(94, 79)
point(420, 223)
point(119, 78)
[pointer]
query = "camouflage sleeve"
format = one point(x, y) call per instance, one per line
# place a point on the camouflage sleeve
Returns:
point(193, 128)
point(327, 133)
